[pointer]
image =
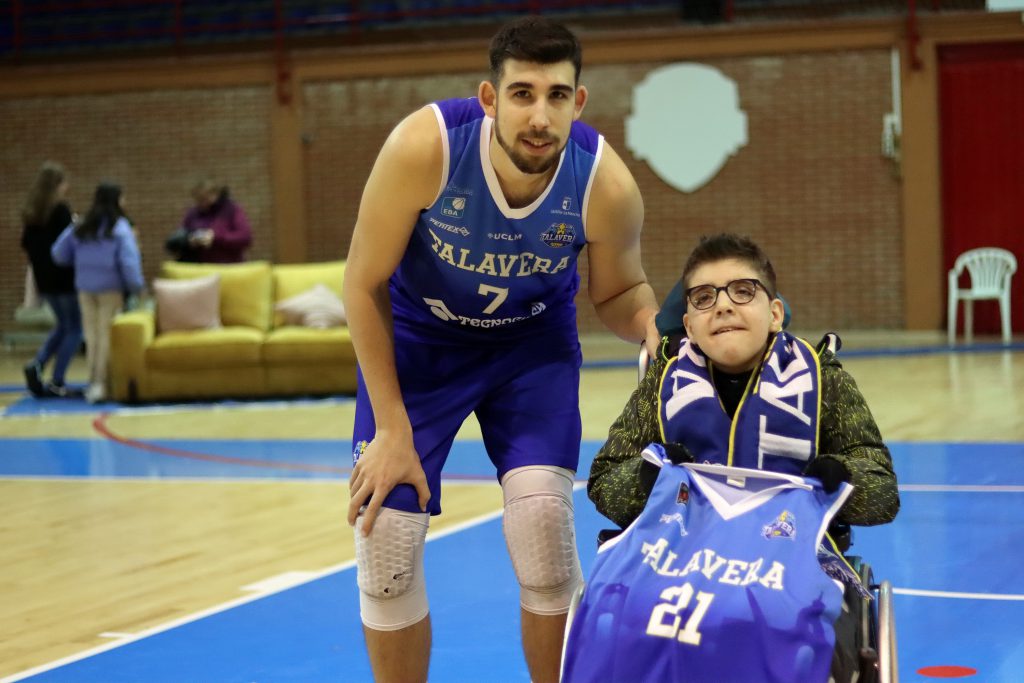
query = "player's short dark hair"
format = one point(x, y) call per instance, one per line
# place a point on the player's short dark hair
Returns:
point(730, 246)
point(534, 39)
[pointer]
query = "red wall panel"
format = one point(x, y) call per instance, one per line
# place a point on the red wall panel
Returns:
point(981, 91)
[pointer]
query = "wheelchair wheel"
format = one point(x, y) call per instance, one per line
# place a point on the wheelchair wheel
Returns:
point(877, 636)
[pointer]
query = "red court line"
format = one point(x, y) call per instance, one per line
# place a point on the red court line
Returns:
point(100, 425)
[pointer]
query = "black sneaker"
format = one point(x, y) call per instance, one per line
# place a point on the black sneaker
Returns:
point(62, 391)
point(32, 379)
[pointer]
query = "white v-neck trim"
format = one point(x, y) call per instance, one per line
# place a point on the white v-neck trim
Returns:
point(492, 178)
point(754, 500)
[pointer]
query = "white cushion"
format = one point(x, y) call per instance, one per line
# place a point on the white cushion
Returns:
point(192, 304)
point(317, 307)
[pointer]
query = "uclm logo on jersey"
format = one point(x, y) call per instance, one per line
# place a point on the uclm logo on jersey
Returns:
point(559, 235)
point(453, 207)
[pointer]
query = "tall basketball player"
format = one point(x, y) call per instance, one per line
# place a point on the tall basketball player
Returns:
point(459, 292)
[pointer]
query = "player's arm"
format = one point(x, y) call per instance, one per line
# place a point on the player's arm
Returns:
point(404, 180)
point(850, 436)
point(618, 286)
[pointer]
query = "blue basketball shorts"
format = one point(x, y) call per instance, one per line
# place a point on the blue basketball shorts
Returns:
point(526, 399)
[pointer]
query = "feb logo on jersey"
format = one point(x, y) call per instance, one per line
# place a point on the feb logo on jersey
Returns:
point(558, 235)
point(784, 526)
point(453, 207)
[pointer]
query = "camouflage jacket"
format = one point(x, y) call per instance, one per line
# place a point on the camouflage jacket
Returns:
point(847, 433)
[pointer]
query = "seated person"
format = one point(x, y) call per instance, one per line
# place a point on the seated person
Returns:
point(736, 391)
point(731, 340)
point(717, 581)
point(215, 230)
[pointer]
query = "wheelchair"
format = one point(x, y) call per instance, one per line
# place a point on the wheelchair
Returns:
point(865, 631)
point(875, 641)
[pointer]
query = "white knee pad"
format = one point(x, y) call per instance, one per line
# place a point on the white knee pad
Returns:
point(392, 593)
point(541, 537)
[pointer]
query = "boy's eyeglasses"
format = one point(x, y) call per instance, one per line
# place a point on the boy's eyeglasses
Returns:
point(703, 297)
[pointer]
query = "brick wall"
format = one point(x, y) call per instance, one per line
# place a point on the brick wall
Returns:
point(810, 185)
point(153, 143)
point(345, 125)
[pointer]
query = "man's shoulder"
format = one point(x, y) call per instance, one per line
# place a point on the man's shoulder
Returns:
point(585, 135)
point(459, 111)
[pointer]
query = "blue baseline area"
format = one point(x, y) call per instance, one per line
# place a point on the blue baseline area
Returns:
point(958, 541)
point(915, 462)
point(210, 458)
point(312, 633)
point(29, 405)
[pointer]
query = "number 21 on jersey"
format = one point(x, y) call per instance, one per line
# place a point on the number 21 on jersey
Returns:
point(677, 599)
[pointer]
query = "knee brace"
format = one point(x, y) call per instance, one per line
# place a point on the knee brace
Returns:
point(541, 537)
point(389, 570)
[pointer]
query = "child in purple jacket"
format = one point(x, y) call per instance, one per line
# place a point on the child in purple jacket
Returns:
point(107, 264)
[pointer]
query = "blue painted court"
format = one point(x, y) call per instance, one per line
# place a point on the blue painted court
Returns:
point(951, 555)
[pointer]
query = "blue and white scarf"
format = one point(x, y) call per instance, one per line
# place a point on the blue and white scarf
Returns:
point(776, 423)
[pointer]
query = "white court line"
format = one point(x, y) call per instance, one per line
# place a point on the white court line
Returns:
point(957, 595)
point(116, 409)
point(223, 607)
point(962, 488)
point(333, 479)
point(90, 478)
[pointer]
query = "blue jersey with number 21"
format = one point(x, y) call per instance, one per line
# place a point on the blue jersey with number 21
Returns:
point(478, 269)
point(717, 581)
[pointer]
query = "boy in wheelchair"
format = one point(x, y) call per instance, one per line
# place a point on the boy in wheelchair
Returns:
point(733, 390)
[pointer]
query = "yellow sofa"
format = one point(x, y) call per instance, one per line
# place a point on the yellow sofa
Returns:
point(253, 354)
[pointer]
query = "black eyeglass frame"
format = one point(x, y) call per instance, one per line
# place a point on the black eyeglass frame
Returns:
point(725, 288)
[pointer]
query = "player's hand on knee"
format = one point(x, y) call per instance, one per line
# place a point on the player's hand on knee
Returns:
point(386, 462)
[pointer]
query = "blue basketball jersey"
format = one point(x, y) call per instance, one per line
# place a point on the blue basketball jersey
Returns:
point(717, 581)
point(478, 269)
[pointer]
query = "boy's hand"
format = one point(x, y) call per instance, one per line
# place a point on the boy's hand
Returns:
point(678, 453)
point(830, 471)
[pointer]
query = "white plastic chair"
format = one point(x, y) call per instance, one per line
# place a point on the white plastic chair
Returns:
point(990, 270)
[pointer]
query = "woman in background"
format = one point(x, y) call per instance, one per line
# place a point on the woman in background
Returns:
point(107, 264)
point(45, 216)
point(215, 230)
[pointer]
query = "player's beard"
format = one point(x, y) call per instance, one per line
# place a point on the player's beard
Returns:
point(525, 163)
